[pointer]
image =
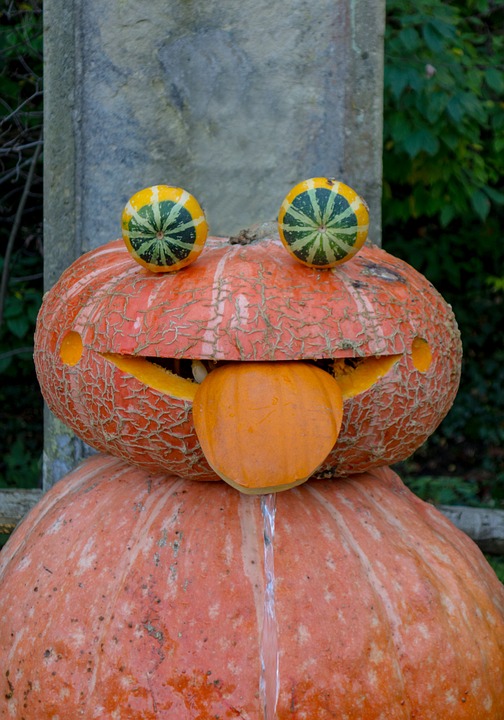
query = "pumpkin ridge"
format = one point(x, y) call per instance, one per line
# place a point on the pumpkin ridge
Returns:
point(252, 555)
point(436, 566)
point(404, 530)
point(379, 590)
point(217, 301)
point(147, 516)
point(89, 314)
point(66, 491)
point(367, 310)
point(433, 565)
point(442, 525)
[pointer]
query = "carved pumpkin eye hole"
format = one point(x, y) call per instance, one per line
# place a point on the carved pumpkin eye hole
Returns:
point(164, 228)
point(323, 222)
point(71, 348)
point(421, 354)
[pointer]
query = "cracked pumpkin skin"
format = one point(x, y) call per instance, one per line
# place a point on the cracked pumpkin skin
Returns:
point(249, 304)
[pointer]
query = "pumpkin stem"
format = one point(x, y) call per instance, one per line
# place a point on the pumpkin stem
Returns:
point(259, 231)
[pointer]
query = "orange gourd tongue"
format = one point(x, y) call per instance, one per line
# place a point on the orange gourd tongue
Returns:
point(267, 426)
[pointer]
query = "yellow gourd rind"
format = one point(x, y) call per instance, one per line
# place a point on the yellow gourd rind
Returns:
point(323, 222)
point(164, 228)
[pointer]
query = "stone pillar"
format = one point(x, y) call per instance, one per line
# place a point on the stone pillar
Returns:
point(236, 101)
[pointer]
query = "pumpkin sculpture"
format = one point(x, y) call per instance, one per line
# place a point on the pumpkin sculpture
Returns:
point(118, 349)
point(130, 595)
point(134, 592)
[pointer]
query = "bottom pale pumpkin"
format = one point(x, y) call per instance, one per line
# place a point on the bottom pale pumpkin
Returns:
point(127, 595)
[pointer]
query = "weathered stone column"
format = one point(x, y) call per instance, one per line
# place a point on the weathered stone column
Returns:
point(236, 101)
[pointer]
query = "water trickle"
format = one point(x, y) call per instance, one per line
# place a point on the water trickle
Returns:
point(269, 681)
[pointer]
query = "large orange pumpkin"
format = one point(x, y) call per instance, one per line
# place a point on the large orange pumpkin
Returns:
point(129, 595)
point(117, 347)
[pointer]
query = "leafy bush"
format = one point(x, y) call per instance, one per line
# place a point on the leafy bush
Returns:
point(444, 116)
point(21, 238)
point(443, 207)
point(498, 565)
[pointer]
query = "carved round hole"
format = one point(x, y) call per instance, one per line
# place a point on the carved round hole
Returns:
point(421, 354)
point(71, 348)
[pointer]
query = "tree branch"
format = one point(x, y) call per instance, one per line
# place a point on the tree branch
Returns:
point(15, 227)
point(16, 351)
point(37, 93)
point(14, 171)
point(483, 525)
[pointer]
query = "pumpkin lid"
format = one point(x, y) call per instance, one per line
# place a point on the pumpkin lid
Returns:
point(253, 302)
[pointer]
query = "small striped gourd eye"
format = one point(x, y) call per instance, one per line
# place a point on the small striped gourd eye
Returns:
point(164, 228)
point(323, 222)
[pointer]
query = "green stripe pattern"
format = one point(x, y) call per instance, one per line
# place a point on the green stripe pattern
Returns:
point(320, 226)
point(162, 233)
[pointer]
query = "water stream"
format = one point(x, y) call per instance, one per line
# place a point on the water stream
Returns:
point(269, 680)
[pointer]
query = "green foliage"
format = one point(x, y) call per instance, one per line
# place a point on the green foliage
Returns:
point(443, 209)
point(444, 490)
point(444, 110)
point(20, 239)
point(20, 401)
point(497, 562)
point(471, 438)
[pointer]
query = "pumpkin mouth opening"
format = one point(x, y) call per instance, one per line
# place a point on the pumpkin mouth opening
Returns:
point(259, 423)
point(180, 377)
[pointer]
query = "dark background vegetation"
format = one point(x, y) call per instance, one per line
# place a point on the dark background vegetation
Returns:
point(443, 207)
point(20, 239)
point(443, 204)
